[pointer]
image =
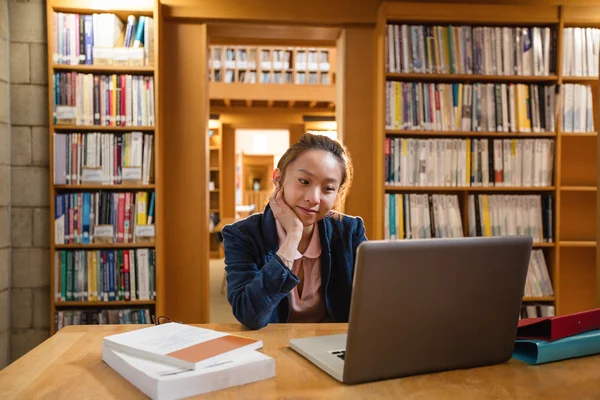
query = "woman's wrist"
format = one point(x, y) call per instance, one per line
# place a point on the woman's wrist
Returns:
point(287, 250)
point(286, 261)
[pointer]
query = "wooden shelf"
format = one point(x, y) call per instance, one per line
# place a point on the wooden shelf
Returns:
point(535, 299)
point(403, 132)
point(89, 186)
point(578, 243)
point(214, 148)
point(470, 78)
point(93, 246)
point(104, 303)
point(469, 189)
point(102, 128)
point(272, 92)
point(579, 79)
point(580, 134)
point(215, 169)
point(578, 188)
point(112, 69)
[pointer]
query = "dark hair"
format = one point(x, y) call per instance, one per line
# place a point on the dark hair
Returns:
point(308, 141)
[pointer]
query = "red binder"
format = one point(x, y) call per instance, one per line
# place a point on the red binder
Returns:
point(554, 328)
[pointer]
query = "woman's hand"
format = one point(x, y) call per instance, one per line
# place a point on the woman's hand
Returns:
point(292, 225)
point(285, 215)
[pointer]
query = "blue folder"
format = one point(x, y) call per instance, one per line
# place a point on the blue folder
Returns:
point(537, 351)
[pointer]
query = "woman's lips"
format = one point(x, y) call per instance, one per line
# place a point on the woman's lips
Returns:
point(307, 211)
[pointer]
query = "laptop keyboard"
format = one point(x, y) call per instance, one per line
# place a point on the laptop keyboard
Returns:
point(340, 353)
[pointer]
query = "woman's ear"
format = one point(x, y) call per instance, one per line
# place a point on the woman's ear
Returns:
point(276, 178)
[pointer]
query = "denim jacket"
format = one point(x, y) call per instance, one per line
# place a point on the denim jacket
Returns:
point(259, 284)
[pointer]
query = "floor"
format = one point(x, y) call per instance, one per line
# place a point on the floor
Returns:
point(220, 309)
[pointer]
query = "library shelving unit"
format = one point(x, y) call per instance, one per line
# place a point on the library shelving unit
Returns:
point(268, 75)
point(215, 182)
point(577, 275)
point(570, 252)
point(103, 201)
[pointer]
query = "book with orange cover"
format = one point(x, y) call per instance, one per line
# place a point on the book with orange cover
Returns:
point(559, 327)
point(180, 345)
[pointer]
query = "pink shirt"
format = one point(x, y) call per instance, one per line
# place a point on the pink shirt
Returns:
point(311, 306)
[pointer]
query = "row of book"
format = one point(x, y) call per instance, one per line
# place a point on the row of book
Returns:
point(502, 215)
point(483, 50)
point(581, 51)
point(99, 99)
point(105, 275)
point(577, 108)
point(504, 107)
point(469, 162)
point(102, 39)
point(421, 216)
point(538, 283)
point(245, 58)
point(536, 311)
point(418, 216)
point(106, 158)
point(312, 78)
point(104, 217)
point(105, 316)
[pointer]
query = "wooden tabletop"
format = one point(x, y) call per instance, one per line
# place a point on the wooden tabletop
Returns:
point(69, 365)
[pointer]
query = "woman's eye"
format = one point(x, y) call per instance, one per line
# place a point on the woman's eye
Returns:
point(303, 181)
point(330, 189)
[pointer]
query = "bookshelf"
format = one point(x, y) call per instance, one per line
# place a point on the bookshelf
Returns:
point(106, 237)
point(565, 225)
point(271, 65)
point(272, 76)
point(215, 183)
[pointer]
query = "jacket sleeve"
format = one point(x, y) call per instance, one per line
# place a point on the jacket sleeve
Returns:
point(253, 292)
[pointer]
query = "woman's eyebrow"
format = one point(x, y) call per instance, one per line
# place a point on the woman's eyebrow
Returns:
point(311, 174)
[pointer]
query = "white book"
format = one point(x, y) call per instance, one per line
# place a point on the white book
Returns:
point(181, 345)
point(162, 381)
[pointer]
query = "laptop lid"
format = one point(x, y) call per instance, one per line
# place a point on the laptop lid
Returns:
point(429, 305)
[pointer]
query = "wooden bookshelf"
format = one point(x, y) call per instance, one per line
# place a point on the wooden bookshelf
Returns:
point(571, 257)
point(101, 69)
point(146, 8)
point(216, 180)
point(103, 304)
point(101, 128)
point(272, 65)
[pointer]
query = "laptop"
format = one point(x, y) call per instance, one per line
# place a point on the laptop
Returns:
point(427, 305)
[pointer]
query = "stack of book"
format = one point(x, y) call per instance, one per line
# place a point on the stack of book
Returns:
point(547, 339)
point(172, 361)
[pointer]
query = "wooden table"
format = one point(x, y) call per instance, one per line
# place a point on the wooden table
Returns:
point(69, 365)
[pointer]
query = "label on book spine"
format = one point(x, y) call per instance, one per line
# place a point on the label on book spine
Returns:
point(132, 173)
point(145, 231)
point(103, 231)
point(59, 230)
point(66, 113)
point(92, 175)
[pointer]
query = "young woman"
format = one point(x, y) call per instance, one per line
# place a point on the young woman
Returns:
point(295, 261)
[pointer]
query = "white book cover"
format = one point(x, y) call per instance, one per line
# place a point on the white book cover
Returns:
point(163, 381)
point(181, 345)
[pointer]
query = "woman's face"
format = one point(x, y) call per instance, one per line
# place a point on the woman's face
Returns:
point(311, 185)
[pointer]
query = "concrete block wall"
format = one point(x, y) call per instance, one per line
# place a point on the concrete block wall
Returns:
point(29, 196)
point(5, 254)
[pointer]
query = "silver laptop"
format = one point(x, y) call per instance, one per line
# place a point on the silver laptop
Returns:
point(421, 306)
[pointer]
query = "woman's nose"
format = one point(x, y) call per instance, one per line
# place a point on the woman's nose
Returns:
point(312, 195)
